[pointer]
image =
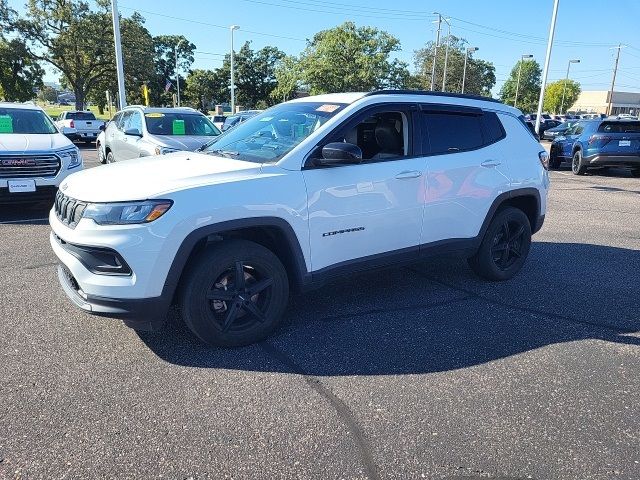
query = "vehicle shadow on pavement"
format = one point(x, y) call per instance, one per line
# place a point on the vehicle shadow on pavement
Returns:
point(437, 316)
point(26, 213)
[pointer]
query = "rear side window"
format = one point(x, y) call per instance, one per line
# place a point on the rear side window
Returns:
point(452, 132)
point(493, 129)
point(619, 127)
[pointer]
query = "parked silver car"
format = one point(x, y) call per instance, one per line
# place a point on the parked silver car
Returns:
point(138, 131)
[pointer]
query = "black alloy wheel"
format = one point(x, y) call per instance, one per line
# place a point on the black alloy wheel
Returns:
point(576, 164)
point(505, 246)
point(234, 293)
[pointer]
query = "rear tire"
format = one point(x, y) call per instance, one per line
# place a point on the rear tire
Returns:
point(234, 294)
point(505, 246)
point(577, 167)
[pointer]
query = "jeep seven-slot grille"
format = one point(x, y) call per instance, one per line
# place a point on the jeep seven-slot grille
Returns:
point(29, 166)
point(68, 210)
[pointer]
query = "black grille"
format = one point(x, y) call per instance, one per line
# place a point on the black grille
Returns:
point(68, 210)
point(29, 166)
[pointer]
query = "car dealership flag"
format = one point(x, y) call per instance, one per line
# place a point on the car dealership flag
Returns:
point(168, 85)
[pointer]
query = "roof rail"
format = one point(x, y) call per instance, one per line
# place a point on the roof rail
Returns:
point(433, 94)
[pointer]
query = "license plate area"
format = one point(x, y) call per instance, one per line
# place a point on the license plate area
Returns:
point(21, 186)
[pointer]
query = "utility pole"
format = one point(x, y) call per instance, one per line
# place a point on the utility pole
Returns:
point(435, 52)
point(545, 71)
point(564, 87)
point(515, 100)
point(233, 86)
point(122, 99)
point(613, 80)
point(464, 70)
point(446, 56)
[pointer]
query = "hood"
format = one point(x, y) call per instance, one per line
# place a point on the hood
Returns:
point(183, 142)
point(23, 142)
point(152, 177)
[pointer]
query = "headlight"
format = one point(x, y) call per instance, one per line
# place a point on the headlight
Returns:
point(165, 150)
point(73, 155)
point(127, 212)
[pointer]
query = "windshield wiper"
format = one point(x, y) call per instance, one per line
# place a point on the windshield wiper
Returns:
point(223, 153)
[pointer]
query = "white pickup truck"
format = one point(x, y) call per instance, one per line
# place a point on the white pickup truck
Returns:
point(79, 125)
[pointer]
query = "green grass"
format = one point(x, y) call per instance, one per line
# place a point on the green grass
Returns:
point(54, 110)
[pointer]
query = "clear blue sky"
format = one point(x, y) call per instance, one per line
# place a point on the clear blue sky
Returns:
point(502, 29)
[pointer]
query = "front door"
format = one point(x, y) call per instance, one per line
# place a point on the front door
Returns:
point(373, 208)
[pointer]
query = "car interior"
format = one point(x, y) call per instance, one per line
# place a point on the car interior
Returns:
point(382, 136)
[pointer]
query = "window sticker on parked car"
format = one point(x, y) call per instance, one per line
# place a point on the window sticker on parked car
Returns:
point(266, 119)
point(6, 124)
point(154, 115)
point(327, 108)
point(177, 127)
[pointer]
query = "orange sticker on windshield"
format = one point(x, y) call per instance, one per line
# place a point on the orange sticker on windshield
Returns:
point(327, 107)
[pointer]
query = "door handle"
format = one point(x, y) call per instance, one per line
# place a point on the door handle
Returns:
point(490, 163)
point(409, 174)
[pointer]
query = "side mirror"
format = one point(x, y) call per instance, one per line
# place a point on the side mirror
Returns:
point(102, 127)
point(337, 153)
point(134, 132)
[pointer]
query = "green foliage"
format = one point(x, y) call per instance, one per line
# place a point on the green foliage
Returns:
point(203, 89)
point(165, 47)
point(553, 95)
point(529, 89)
point(47, 94)
point(480, 77)
point(288, 79)
point(20, 75)
point(348, 58)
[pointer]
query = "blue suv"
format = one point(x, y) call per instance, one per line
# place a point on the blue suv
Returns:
point(598, 144)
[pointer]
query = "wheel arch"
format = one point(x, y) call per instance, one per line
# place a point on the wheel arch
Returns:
point(274, 233)
point(525, 199)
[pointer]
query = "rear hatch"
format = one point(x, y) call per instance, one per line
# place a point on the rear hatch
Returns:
point(617, 138)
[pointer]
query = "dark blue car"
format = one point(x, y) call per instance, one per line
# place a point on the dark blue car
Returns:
point(598, 144)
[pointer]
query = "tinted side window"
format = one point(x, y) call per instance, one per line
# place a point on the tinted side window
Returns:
point(453, 132)
point(135, 122)
point(493, 129)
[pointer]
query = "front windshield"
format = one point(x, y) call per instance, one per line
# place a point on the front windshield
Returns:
point(175, 123)
point(272, 134)
point(18, 120)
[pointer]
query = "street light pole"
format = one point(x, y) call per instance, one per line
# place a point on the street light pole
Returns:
point(435, 52)
point(545, 70)
point(446, 56)
point(515, 100)
point(233, 86)
point(464, 70)
point(122, 99)
point(177, 75)
point(566, 79)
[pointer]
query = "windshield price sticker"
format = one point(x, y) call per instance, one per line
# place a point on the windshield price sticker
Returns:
point(177, 127)
point(6, 124)
point(327, 108)
point(154, 115)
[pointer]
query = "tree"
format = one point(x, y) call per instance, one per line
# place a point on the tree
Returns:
point(165, 47)
point(553, 95)
point(138, 59)
point(529, 88)
point(20, 75)
point(73, 38)
point(48, 94)
point(288, 76)
point(205, 88)
point(348, 58)
point(480, 76)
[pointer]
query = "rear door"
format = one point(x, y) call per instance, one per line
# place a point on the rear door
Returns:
point(467, 168)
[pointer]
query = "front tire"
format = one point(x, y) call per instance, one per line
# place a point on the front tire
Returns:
point(234, 294)
point(505, 246)
point(110, 157)
point(577, 166)
point(101, 157)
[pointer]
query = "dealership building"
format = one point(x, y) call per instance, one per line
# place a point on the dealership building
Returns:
point(597, 101)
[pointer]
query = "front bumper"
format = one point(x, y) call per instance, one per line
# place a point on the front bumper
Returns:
point(137, 313)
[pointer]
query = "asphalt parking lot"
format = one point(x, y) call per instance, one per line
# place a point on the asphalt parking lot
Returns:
point(417, 372)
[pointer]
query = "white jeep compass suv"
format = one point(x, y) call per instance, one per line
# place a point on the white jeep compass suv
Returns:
point(306, 190)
